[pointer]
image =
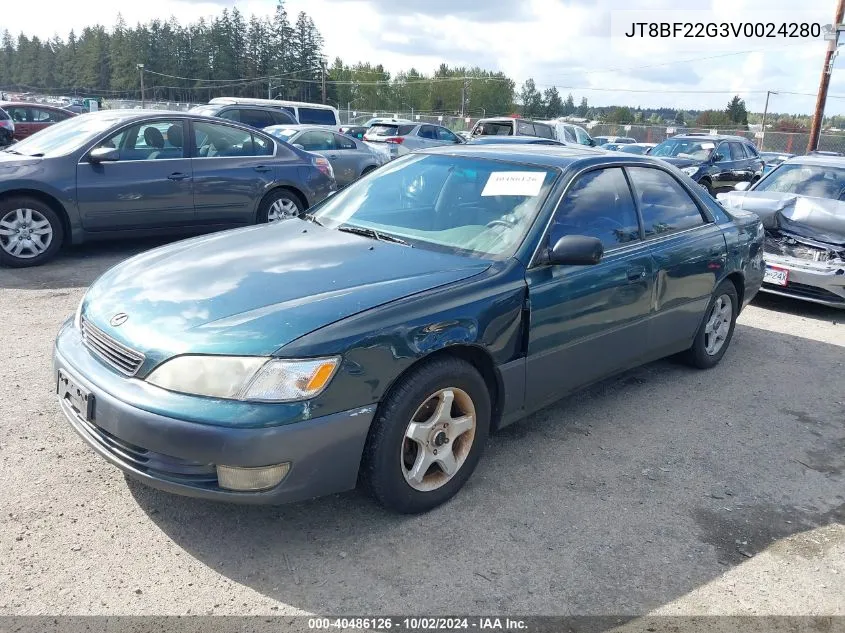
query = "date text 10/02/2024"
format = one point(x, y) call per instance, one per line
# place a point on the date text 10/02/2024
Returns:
point(418, 623)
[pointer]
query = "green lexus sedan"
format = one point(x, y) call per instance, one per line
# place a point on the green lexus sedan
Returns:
point(383, 337)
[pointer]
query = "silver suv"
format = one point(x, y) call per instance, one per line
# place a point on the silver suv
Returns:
point(401, 137)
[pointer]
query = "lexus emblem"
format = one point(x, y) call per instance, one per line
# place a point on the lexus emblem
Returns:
point(119, 319)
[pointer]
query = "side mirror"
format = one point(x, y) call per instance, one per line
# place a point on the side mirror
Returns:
point(742, 186)
point(578, 250)
point(591, 143)
point(717, 157)
point(298, 146)
point(104, 155)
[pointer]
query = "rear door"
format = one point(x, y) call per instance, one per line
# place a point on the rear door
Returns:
point(588, 322)
point(689, 251)
point(149, 187)
point(233, 168)
point(347, 161)
point(742, 170)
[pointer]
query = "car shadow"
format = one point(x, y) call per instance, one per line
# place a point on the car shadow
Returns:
point(798, 307)
point(619, 499)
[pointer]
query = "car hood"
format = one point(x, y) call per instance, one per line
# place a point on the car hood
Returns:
point(9, 163)
point(679, 162)
point(251, 291)
point(819, 219)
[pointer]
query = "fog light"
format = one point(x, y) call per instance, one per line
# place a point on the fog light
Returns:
point(251, 479)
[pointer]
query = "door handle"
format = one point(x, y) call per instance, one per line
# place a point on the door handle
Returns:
point(178, 176)
point(636, 272)
point(332, 156)
point(262, 168)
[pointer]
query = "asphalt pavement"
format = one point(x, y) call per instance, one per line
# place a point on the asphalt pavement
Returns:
point(663, 490)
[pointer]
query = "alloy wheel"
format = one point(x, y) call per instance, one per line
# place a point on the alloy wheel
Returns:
point(438, 439)
point(281, 209)
point(718, 325)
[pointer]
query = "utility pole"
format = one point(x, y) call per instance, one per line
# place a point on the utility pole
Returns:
point(825, 79)
point(141, 72)
point(765, 113)
point(323, 65)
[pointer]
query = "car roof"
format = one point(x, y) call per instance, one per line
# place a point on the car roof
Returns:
point(711, 137)
point(29, 104)
point(819, 159)
point(550, 156)
point(525, 139)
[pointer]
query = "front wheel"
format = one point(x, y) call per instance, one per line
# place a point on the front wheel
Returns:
point(427, 437)
point(716, 331)
point(31, 233)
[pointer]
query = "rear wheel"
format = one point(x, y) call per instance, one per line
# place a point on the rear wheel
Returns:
point(428, 436)
point(278, 205)
point(716, 331)
point(31, 233)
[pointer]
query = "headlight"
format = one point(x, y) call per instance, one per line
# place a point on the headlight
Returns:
point(689, 171)
point(254, 378)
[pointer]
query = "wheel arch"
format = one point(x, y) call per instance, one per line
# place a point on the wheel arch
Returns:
point(45, 198)
point(738, 280)
point(303, 199)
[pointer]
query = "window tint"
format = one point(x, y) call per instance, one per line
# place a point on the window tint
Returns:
point(315, 140)
point(664, 204)
point(261, 146)
point(37, 115)
point(154, 140)
point(231, 115)
point(282, 117)
point(599, 204)
point(317, 116)
point(256, 118)
point(444, 134)
point(344, 142)
point(543, 130)
point(427, 131)
point(750, 150)
point(18, 115)
point(217, 140)
point(725, 151)
point(494, 128)
point(525, 129)
point(582, 136)
point(737, 152)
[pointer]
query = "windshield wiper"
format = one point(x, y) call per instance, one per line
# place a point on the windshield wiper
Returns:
point(372, 233)
point(12, 151)
point(312, 218)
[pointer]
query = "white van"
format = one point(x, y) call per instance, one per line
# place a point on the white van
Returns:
point(305, 113)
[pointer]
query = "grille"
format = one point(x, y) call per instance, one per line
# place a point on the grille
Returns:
point(791, 248)
point(179, 470)
point(123, 359)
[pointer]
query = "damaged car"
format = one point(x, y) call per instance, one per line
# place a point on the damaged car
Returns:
point(802, 207)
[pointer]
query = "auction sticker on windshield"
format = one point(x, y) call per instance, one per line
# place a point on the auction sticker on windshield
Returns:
point(514, 183)
point(776, 275)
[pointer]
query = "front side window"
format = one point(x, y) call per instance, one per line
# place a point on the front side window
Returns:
point(816, 181)
point(256, 118)
point(149, 140)
point(38, 115)
point(598, 204)
point(525, 129)
point(475, 207)
point(427, 131)
point(444, 134)
point(665, 205)
point(723, 153)
point(569, 135)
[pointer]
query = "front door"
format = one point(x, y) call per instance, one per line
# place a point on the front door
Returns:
point(149, 186)
point(690, 254)
point(588, 322)
point(723, 176)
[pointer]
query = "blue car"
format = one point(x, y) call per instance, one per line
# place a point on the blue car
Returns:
point(114, 174)
point(384, 336)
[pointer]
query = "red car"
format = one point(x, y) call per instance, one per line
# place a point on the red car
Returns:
point(30, 118)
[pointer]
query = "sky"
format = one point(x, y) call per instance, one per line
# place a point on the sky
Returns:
point(565, 43)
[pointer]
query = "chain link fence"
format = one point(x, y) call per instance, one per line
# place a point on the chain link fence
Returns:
point(788, 142)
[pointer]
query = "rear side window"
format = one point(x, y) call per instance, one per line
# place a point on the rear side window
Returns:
point(666, 207)
point(525, 129)
point(256, 118)
point(494, 128)
point(543, 131)
point(750, 150)
point(342, 142)
point(282, 117)
point(598, 204)
point(737, 152)
point(317, 116)
point(427, 131)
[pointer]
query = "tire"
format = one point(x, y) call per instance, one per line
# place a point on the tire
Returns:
point(37, 225)
point(278, 205)
point(390, 458)
point(367, 170)
point(702, 353)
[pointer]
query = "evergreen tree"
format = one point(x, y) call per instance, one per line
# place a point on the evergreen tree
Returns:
point(554, 105)
point(583, 109)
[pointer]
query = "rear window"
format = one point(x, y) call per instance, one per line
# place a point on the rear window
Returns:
point(387, 129)
point(494, 128)
point(317, 116)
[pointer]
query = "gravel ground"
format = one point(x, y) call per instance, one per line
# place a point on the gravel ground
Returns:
point(664, 490)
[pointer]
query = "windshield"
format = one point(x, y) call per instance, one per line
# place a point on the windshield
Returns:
point(284, 133)
point(65, 137)
point(816, 181)
point(477, 207)
point(684, 148)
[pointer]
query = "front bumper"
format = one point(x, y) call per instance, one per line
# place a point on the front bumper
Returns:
point(179, 456)
point(818, 282)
